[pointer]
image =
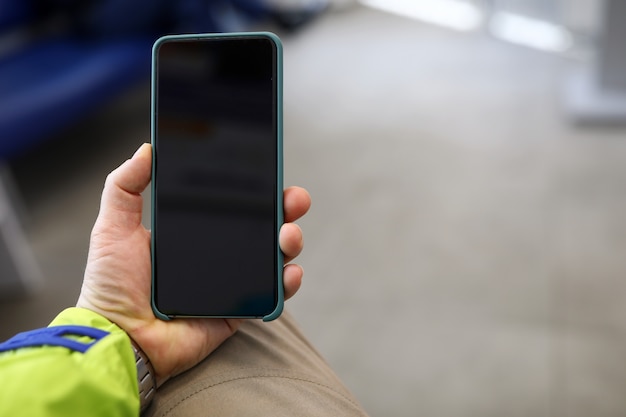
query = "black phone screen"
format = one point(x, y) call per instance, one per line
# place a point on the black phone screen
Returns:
point(215, 177)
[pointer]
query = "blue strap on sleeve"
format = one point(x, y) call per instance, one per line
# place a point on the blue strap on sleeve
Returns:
point(55, 336)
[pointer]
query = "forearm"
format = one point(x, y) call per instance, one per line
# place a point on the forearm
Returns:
point(58, 380)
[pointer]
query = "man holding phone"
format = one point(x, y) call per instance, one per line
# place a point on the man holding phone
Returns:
point(110, 353)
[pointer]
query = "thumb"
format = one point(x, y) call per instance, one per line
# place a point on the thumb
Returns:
point(121, 203)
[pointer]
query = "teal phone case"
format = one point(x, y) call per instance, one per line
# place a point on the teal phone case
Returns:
point(279, 153)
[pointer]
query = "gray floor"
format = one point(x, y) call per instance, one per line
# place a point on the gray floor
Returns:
point(465, 250)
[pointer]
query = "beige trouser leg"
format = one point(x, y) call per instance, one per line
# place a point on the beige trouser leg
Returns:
point(265, 369)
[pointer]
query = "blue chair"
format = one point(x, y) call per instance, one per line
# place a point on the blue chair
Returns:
point(47, 84)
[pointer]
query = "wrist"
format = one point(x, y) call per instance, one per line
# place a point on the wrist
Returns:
point(146, 377)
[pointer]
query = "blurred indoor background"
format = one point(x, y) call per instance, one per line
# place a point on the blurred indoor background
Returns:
point(466, 249)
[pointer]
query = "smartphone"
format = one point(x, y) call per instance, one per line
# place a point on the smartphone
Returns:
point(217, 176)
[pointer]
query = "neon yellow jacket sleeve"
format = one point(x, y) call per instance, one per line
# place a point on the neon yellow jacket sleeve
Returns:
point(50, 381)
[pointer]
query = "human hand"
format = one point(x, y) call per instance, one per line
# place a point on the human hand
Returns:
point(118, 274)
